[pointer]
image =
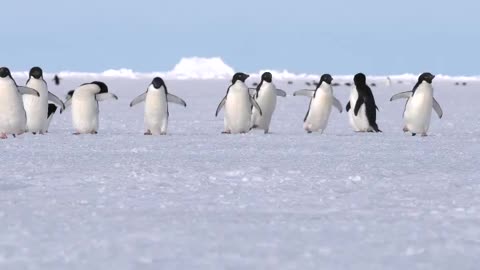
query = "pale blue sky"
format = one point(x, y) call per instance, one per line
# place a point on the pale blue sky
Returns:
point(335, 36)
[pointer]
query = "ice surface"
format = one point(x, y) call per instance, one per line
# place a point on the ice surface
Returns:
point(196, 199)
point(201, 68)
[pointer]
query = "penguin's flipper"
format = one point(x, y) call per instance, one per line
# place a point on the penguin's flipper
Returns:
point(337, 104)
point(138, 99)
point(359, 103)
point(105, 96)
point(174, 99)
point(252, 91)
point(255, 104)
point(220, 106)
point(27, 91)
point(281, 93)
point(371, 113)
point(407, 94)
point(304, 92)
point(67, 103)
point(52, 108)
point(56, 100)
point(437, 108)
point(348, 106)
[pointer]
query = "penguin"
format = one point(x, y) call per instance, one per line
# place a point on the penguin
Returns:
point(13, 118)
point(238, 106)
point(363, 115)
point(56, 79)
point(418, 108)
point(266, 96)
point(388, 82)
point(85, 110)
point(156, 106)
point(52, 108)
point(37, 107)
point(321, 103)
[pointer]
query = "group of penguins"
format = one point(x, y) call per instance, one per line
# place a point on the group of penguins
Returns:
point(30, 108)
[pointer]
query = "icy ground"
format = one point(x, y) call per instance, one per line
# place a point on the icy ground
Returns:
point(196, 199)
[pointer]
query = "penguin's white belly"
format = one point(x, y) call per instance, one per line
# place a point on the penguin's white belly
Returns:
point(418, 113)
point(12, 113)
point(36, 109)
point(238, 112)
point(358, 122)
point(85, 114)
point(156, 115)
point(320, 109)
point(267, 102)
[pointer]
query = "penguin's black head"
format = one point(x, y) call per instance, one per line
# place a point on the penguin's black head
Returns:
point(327, 78)
point(158, 82)
point(239, 76)
point(36, 73)
point(102, 85)
point(5, 72)
point(427, 77)
point(360, 79)
point(267, 76)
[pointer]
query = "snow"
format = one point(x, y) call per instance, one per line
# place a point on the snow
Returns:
point(201, 68)
point(197, 199)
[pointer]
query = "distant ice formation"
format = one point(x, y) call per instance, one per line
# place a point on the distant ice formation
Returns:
point(200, 68)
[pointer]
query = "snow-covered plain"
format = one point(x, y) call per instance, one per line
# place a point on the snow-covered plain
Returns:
point(197, 199)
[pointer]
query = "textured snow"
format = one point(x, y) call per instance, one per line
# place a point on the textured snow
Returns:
point(196, 199)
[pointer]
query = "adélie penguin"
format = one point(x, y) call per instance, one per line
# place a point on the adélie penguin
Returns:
point(418, 108)
point(265, 94)
point(85, 110)
point(13, 118)
point(361, 106)
point(238, 106)
point(37, 107)
point(156, 100)
point(321, 103)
